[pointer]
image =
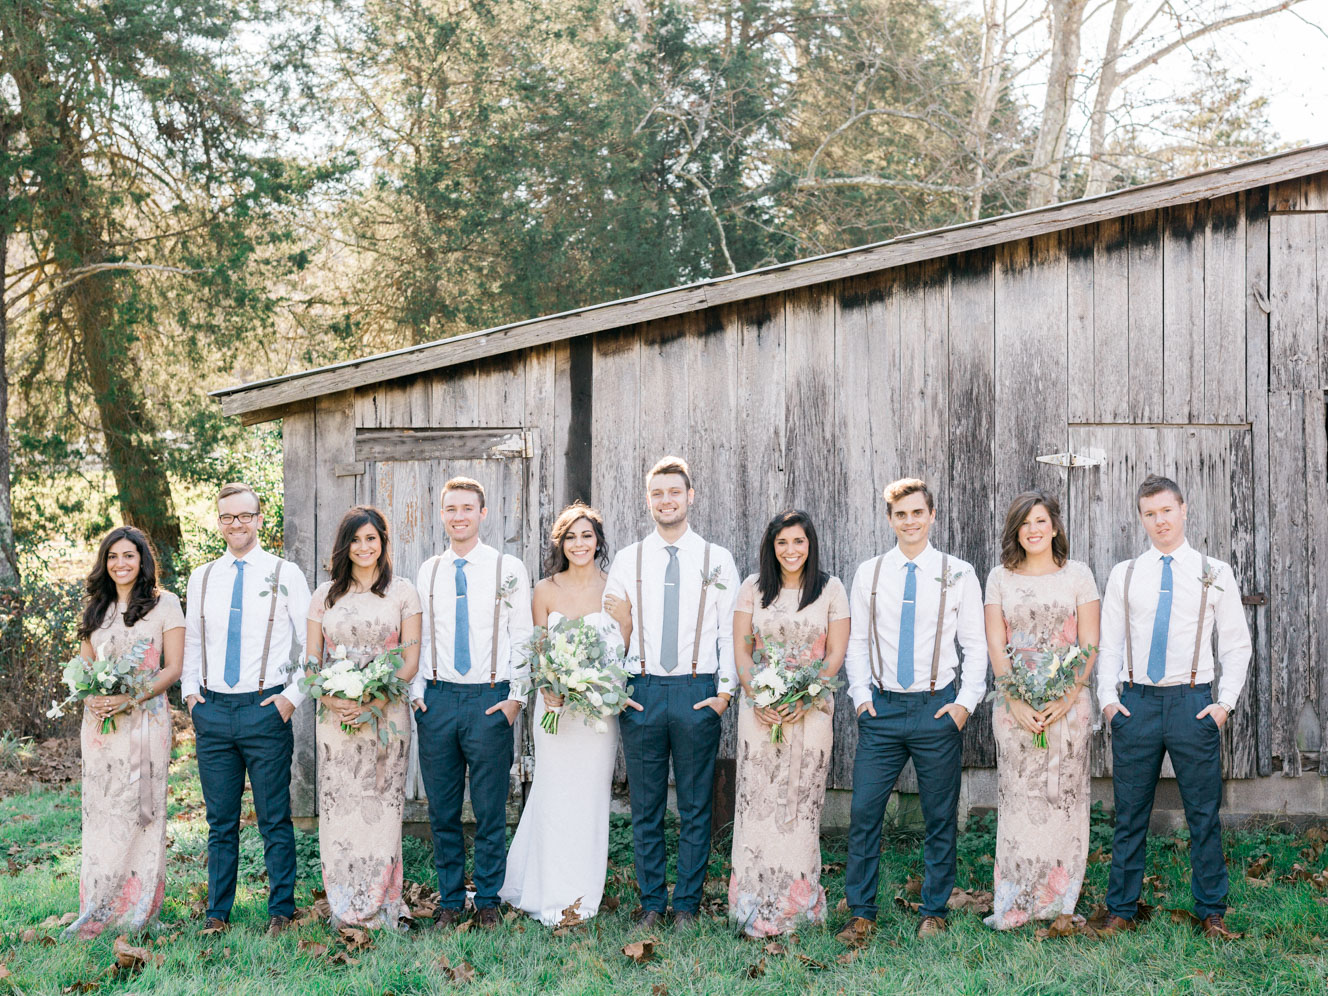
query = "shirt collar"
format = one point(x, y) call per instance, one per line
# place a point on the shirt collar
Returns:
point(656, 542)
point(479, 552)
point(898, 561)
point(255, 554)
point(1181, 552)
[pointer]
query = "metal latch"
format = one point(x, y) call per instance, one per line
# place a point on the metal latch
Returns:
point(1093, 458)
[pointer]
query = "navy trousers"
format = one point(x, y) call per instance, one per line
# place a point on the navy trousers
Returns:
point(234, 734)
point(904, 727)
point(1162, 720)
point(669, 726)
point(456, 735)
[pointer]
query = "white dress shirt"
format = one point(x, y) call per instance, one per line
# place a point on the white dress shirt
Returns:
point(716, 651)
point(1224, 611)
point(963, 620)
point(285, 651)
point(439, 626)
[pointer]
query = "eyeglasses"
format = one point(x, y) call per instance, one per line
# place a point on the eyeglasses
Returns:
point(243, 518)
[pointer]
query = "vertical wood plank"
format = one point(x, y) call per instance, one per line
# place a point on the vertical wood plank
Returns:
point(664, 423)
point(1321, 282)
point(1224, 312)
point(811, 452)
point(1182, 312)
point(1293, 322)
point(712, 387)
point(1030, 365)
point(762, 433)
point(910, 304)
point(616, 463)
point(936, 423)
point(541, 403)
point(1256, 290)
point(500, 390)
point(1240, 734)
point(300, 478)
point(1316, 560)
point(335, 424)
point(1111, 321)
point(1082, 368)
point(1290, 609)
point(1145, 316)
point(970, 497)
point(452, 397)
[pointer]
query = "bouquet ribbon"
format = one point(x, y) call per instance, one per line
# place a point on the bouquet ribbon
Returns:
point(793, 744)
point(140, 763)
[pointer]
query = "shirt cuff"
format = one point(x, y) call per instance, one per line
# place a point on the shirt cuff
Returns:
point(186, 690)
point(860, 696)
point(292, 694)
point(969, 701)
point(1107, 698)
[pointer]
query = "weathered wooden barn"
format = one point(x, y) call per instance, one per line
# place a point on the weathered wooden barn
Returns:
point(1179, 327)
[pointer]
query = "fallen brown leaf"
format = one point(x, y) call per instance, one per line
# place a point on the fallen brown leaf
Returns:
point(849, 957)
point(313, 948)
point(659, 989)
point(130, 958)
point(343, 958)
point(460, 974)
point(355, 938)
point(610, 903)
point(913, 886)
point(968, 899)
point(841, 906)
point(571, 919)
point(640, 951)
point(811, 962)
point(4, 971)
point(1098, 856)
point(775, 948)
point(1259, 867)
point(28, 936)
point(1184, 917)
point(755, 971)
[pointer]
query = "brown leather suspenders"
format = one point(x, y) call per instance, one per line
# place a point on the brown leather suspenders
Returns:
point(267, 637)
point(874, 636)
point(1198, 631)
point(497, 613)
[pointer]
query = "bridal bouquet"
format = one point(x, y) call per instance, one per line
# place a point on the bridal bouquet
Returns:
point(572, 659)
point(782, 676)
point(1039, 679)
point(122, 675)
point(370, 684)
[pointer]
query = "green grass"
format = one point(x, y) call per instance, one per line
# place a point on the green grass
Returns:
point(1283, 951)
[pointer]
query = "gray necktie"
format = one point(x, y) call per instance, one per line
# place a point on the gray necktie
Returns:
point(668, 637)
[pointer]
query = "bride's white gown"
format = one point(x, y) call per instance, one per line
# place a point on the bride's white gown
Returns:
point(561, 848)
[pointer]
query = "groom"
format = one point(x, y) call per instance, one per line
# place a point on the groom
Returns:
point(907, 608)
point(681, 591)
point(1157, 621)
point(470, 686)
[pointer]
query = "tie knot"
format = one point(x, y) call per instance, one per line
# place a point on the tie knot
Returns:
point(239, 565)
point(1167, 558)
point(673, 550)
point(461, 562)
point(911, 567)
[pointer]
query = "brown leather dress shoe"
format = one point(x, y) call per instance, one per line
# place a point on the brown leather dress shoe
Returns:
point(1215, 927)
point(931, 926)
point(1116, 925)
point(856, 931)
point(489, 917)
point(215, 925)
point(648, 920)
point(684, 920)
point(445, 919)
point(276, 924)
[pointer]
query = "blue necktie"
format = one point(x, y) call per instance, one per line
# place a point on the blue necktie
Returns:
point(1157, 652)
point(904, 671)
point(232, 672)
point(668, 637)
point(461, 646)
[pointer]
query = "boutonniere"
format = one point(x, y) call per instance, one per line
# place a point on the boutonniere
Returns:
point(272, 585)
point(950, 578)
point(712, 579)
point(507, 589)
point(1209, 578)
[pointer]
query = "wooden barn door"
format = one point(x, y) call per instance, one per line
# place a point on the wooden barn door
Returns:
point(1214, 466)
point(402, 472)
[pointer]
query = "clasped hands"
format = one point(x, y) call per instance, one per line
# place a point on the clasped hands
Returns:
point(103, 706)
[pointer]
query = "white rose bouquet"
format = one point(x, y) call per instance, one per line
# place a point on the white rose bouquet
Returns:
point(1039, 679)
point(573, 660)
point(372, 684)
point(122, 675)
point(782, 676)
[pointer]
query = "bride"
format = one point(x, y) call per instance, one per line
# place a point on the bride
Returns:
point(561, 848)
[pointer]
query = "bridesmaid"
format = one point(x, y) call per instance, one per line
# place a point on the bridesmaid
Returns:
point(361, 784)
point(124, 771)
point(781, 787)
point(1039, 600)
point(561, 848)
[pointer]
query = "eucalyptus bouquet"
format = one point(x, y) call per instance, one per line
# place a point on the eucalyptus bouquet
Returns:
point(782, 676)
point(113, 675)
point(1040, 678)
point(572, 659)
point(371, 684)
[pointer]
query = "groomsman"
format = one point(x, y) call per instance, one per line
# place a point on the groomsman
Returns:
point(681, 590)
point(1157, 626)
point(470, 687)
point(908, 607)
point(244, 631)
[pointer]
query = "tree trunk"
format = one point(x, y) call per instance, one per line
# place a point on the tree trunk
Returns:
point(9, 576)
point(1099, 171)
point(991, 79)
point(1067, 21)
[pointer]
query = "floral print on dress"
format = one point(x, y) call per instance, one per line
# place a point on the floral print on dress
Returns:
point(776, 881)
point(362, 785)
point(1042, 795)
point(122, 881)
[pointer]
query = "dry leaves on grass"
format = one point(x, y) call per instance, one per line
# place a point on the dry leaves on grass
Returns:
point(849, 957)
point(355, 938)
point(775, 948)
point(756, 970)
point(972, 900)
point(1098, 856)
point(811, 962)
point(571, 919)
point(640, 952)
point(420, 900)
point(460, 973)
point(4, 971)
point(312, 948)
point(1256, 872)
point(1299, 873)
point(659, 989)
point(1065, 925)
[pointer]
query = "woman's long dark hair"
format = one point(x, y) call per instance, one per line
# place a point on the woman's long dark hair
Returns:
point(771, 577)
point(1012, 551)
point(340, 568)
point(555, 559)
point(100, 590)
